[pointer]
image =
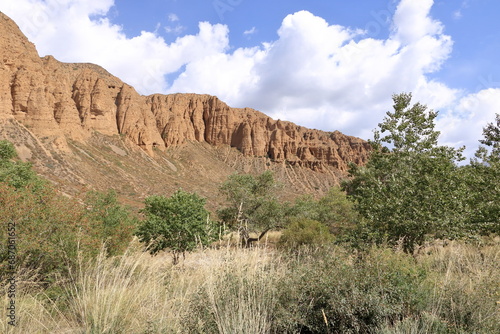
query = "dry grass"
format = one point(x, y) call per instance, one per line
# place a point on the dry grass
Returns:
point(235, 290)
point(138, 293)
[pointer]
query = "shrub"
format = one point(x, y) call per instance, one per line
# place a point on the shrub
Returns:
point(330, 291)
point(47, 227)
point(305, 232)
point(333, 210)
point(51, 228)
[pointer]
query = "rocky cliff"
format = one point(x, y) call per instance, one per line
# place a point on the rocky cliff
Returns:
point(82, 127)
point(73, 100)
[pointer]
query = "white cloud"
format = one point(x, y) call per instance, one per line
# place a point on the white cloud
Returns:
point(315, 73)
point(142, 61)
point(463, 123)
point(175, 29)
point(250, 31)
point(458, 14)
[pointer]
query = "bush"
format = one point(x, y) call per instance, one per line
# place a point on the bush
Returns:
point(333, 210)
point(51, 228)
point(305, 232)
point(330, 291)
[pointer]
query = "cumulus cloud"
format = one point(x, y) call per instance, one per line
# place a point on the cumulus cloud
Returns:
point(463, 124)
point(315, 73)
point(78, 31)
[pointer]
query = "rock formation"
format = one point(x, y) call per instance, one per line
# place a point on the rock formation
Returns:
point(75, 100)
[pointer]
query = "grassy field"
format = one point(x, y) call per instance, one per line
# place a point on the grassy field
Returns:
point(452, 288)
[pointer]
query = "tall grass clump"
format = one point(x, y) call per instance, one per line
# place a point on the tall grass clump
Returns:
point(34, 312)
point(467, 287)
point(126, 294)
point(239, 293)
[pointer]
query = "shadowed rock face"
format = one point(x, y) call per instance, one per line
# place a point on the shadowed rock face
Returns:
point(74, 100)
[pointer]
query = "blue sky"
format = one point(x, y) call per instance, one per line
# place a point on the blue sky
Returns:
point(326, 64)
point(473, 25)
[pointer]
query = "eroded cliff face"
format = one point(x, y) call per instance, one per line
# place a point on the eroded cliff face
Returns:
point(74, 100)
point(204, 118)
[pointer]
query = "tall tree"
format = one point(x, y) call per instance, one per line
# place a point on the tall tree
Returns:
point(409, 189)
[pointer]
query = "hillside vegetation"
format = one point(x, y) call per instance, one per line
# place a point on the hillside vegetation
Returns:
point(409, 244)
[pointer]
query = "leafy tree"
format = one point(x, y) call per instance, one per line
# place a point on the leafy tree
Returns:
point(179, 223)
point(491, 139)
point(483, 180)
point(252, 204)
point(414, 188)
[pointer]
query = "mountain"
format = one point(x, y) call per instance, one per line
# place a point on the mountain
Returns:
point(84, 128)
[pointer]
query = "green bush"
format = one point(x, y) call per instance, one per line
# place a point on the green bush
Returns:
point(331, 291)
point(305, 232)
point(333, 210)
point(52, 228)
point(16, 173)
point(7, 150)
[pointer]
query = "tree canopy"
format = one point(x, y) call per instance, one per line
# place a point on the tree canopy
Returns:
point(178, 223)
point(410, 188)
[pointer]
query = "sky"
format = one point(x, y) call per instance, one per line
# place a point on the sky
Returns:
point(323, 64)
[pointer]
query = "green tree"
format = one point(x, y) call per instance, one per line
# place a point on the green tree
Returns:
point(483, 180)
point(179, 223)
point(412, 189)
point(252, 204)
point(491, 139)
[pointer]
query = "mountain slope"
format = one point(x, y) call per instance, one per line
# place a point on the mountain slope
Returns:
point(81, 126)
